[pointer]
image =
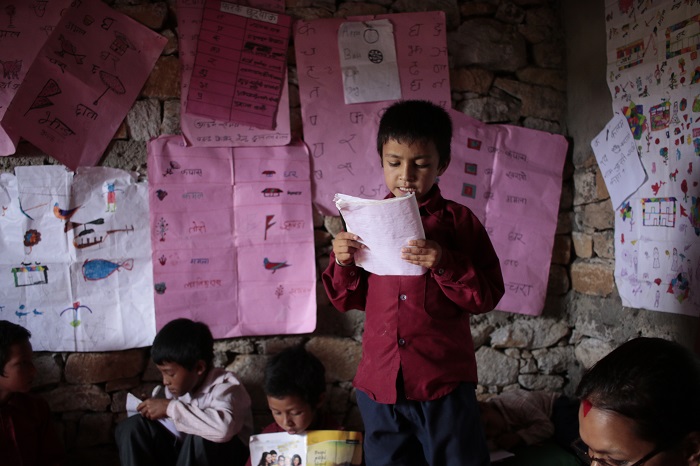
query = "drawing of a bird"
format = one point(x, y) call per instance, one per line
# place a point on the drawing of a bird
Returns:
point(62, 214)
point(67, 47)
point(274, 266)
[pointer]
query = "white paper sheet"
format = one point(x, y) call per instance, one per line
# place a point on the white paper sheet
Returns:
point(619, 162)
point(133, 401)
point(384, 226)
point(500, 455)
point(368, 61)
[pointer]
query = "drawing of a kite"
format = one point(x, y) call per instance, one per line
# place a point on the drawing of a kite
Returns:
point(50, 89)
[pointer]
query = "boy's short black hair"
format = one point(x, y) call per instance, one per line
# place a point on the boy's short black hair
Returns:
point(184, 342)
point(408, 121)
point(10, 334)
point(295, 372)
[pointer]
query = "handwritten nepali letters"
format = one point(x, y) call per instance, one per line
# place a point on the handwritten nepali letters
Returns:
point(203, 131)
point(274, 239)
point(653, 74)
point(232, 237)
point(83, 82)
point(340, 137)
point(368, 61)
point(617, 157)
point(511, 178)
point(240, 65)
point(76, 258)
point(26, 27)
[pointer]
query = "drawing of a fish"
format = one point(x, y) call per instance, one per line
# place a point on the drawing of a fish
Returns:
point(99, 269)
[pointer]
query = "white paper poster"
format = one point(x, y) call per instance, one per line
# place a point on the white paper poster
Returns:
point(368, 61)
point(76, 258)
point(654, 78)
point(618, 160)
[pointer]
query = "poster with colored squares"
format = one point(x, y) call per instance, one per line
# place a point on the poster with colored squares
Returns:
point(511, 178)
point(653, 73)
point(76, 258)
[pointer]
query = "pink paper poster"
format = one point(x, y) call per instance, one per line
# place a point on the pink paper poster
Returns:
point(341, 138)
point(83, 82)
point(207, 132)
point(26, 27)
point(240, 65)
point(232, 237)
point(511, 178)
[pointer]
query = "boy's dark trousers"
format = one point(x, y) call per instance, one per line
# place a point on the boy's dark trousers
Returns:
point(442, 432)
point(144, 442)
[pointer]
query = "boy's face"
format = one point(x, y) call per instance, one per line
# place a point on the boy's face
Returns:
point(291, 413)
point(180, 381)
point(19, 370)
point(411, 168)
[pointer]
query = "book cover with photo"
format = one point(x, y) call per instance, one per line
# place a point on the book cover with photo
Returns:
point(314, 448)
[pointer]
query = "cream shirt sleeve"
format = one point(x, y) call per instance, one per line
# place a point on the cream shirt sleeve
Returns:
point(217, 412)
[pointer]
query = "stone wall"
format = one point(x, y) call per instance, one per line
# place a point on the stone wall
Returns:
point(508, 65)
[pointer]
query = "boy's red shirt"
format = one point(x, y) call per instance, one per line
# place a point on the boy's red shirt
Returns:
point(420, 324)
point(27, 436)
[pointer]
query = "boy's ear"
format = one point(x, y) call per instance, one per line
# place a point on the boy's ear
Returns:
point(441, 169)
point(200, 367)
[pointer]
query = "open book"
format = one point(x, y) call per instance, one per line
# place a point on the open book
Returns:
point(133, 401)
point(313, 448)
point(384, 226)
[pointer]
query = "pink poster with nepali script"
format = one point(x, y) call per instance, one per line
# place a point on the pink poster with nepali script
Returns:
point(83, 82)
point(342, 138)
point(241, 64)
point(232, 237)
point(511, 178)
point(209, 132)
point(26, 27)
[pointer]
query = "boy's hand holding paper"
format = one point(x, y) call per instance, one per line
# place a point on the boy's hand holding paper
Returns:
point(384, 227)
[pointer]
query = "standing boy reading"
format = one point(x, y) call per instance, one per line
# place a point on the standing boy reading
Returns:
point(295, 385)
point(417, 375)
point(207, 404)
point(27, 437)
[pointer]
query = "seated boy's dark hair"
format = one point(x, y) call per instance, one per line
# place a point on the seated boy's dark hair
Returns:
point(184, 342)
point(10, 334)
point(652, 381)
point(295, 372)
point(409, 121)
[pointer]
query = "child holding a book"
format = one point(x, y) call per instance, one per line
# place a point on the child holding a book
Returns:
point(418, 365)
point(295, 385)
point(207, 404)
